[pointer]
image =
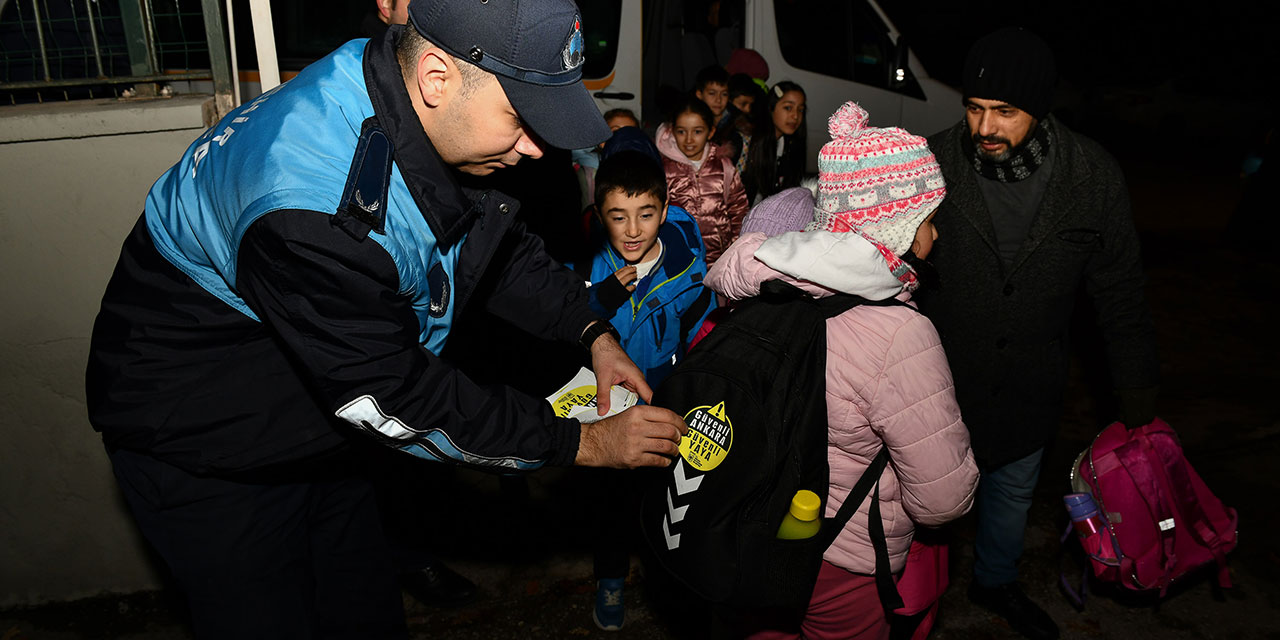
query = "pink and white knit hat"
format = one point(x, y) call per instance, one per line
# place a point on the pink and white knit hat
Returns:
point(880, 183)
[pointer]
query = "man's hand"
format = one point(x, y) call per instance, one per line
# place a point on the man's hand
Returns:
point(642, 436)
point(627, 277)
point(1137, 406)
point(613, 366)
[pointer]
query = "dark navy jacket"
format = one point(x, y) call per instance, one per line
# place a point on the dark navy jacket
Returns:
point(254, 319)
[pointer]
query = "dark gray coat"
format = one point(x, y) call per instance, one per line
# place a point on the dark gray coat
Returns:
point(1005, 328)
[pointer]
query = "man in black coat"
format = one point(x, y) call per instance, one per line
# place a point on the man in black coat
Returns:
point(1034, 212)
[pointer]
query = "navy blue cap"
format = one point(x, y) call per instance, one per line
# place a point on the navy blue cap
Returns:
point(631, 139)
point(534, 47)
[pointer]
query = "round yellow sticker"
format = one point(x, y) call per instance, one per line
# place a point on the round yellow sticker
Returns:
point(709, 438)
point(584, 396)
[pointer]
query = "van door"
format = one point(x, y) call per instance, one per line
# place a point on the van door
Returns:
point(612, 72)
point(841, 51)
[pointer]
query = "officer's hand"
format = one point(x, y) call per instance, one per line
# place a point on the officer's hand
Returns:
point(613, 366)
point(627, 276)
point(642, 436)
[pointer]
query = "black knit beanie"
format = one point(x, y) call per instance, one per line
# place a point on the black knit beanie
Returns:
point(1012, 65)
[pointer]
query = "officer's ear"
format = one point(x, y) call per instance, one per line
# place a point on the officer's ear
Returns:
point(384, 9)
point(434, 74)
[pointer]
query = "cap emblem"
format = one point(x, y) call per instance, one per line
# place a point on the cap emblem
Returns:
point(572, 53)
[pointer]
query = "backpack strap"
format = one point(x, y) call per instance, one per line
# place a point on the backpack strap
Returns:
point(831, 306)
point(1138, 461)
point(835, 305)
point(1193, 517)
point(869, 483)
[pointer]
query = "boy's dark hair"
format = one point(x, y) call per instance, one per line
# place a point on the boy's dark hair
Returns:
point(633, 173)
point(696, 106)
point(613, 113)
point(711, 74)
point(741, 84)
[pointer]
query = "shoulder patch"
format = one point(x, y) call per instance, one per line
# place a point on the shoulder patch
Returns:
point(364, 198)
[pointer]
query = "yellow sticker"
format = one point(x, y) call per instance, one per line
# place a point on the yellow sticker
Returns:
point(710, 436)
point(584, 396)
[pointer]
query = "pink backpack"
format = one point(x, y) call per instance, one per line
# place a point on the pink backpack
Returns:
point(1158, 520)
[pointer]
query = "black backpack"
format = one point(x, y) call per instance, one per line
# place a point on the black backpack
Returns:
point(753, 393)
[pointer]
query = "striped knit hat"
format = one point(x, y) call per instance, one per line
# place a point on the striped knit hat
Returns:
point(881, 183)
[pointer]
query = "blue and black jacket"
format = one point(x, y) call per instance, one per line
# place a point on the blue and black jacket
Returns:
point(294, 278)
point(659, 319)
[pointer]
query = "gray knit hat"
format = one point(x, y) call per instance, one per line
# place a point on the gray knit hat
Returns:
point(787, 210)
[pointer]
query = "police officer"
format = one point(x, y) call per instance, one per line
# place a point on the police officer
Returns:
point(289, 287)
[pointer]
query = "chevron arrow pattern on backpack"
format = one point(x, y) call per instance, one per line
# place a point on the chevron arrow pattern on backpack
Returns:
point(673, 540)
point(676, 513)
point(684, 485)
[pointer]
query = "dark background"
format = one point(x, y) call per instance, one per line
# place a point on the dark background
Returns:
point(1183, 95)
point(1193, 73)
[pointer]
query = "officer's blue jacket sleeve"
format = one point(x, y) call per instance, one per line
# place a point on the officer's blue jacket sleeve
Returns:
point(333, 303)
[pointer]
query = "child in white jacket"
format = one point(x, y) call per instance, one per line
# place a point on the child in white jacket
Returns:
point(888, 382)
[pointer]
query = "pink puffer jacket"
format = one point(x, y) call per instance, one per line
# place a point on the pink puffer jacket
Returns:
point(888, 384)
point(712, 194)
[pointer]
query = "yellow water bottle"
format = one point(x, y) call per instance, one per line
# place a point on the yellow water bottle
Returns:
point(801, 520)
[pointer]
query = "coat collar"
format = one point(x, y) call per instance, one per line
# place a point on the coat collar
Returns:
point(1069, 171)
point(962, 184)
point(433, 184)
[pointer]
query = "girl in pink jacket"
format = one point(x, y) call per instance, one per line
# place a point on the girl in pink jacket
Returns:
point(700, 179)
point(888, 382)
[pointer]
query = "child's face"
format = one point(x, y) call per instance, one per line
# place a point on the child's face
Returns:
point(716, 96)
point(691, 133)
point(632, 223)
point(621, 120)
point(926, 235)
point(788, 114)
point(743, 103)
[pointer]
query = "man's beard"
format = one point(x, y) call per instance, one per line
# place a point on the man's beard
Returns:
point(999, 157)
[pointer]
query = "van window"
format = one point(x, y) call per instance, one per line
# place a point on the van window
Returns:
point(600, 22)
point(841, 39)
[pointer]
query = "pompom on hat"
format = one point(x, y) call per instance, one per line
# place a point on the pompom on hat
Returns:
point(880, 183)
point(748, 61)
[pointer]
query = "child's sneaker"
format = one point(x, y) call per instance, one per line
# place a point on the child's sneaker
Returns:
point(609, 612)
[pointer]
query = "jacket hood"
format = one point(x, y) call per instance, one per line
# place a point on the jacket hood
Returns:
point(667, 145)
point(845, 262)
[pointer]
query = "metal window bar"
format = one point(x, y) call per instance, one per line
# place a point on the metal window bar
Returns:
point(65, 47)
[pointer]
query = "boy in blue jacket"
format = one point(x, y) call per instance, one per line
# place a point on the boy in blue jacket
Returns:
point(645, 276)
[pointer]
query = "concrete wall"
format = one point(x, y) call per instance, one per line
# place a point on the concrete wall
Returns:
point(72, 181)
